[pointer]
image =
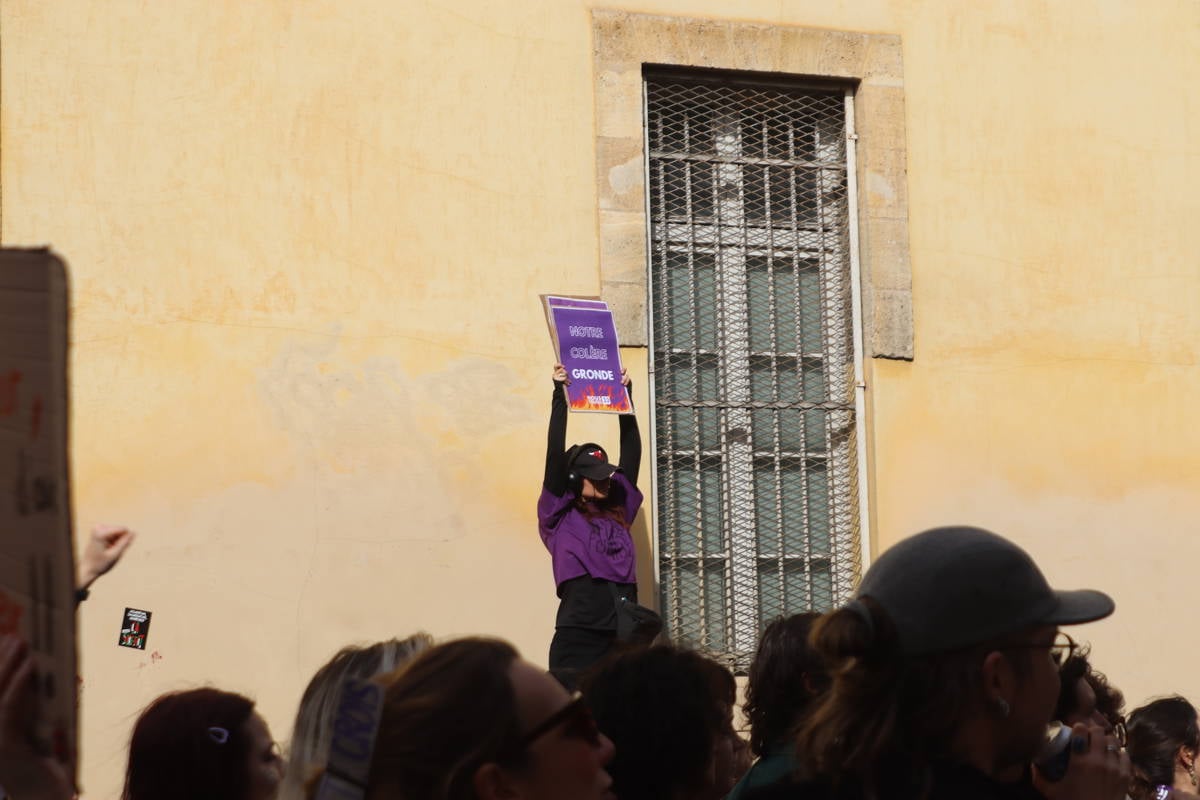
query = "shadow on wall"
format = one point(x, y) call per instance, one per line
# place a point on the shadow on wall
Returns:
point(644, 545)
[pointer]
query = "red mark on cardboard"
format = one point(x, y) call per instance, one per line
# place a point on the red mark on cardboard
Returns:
point(8, 392)
point(155, 656)
point(62, 750)
point(10, 614)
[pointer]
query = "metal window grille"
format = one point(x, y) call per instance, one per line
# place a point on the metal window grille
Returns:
point(753, 355)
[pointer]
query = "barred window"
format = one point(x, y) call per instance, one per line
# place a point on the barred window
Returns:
point(754, 361)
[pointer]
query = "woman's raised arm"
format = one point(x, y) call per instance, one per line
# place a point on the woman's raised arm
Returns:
point(631, 438)
point(555, 479)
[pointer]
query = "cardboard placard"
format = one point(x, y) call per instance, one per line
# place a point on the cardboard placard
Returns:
point(585, 341)
point(37, 564)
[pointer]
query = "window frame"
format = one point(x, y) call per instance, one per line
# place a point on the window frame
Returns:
point(742, 549)
point(624, 42)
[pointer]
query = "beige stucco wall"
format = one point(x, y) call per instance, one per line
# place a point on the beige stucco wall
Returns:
point(310, 367)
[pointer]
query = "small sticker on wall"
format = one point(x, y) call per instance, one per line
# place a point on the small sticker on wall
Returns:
point(135, 628)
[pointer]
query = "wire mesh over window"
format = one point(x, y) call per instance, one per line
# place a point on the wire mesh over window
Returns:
point(753, 356)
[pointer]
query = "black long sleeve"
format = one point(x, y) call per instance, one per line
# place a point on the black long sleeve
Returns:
point(555, 479)
point(631, 445)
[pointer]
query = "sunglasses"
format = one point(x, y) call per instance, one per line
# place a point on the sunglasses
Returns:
point(576, 721)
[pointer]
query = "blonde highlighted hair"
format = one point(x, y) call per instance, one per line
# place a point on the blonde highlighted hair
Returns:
point(448, 712)
point(309, 746)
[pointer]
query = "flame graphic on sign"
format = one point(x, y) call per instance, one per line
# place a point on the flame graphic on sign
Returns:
point(618, 401)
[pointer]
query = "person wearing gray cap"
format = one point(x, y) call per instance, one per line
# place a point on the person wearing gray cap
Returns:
point(944, 674)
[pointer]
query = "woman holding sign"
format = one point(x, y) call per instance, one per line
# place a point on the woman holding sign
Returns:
point(585, 511)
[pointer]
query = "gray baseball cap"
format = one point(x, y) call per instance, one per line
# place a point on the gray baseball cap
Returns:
point(953, 587)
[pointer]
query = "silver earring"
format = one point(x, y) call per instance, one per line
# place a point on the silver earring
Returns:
point(1002, 706)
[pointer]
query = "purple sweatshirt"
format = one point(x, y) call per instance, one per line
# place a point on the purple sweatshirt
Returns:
point(581, 545)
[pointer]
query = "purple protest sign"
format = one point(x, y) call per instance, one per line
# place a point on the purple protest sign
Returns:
point(585, 338)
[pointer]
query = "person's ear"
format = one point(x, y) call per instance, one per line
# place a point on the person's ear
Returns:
point(493, 782)
point(999, 683)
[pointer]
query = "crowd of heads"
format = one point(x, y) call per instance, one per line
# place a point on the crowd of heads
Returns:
point(914, 673)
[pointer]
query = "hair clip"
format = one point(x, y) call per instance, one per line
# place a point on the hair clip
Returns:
point(218, 735)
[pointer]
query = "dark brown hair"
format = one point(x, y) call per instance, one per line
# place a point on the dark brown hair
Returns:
point(1154, 736)
point(1109, 700)
point(664, 708)
point(1070, 673)
point(785, 676)
point(609, 508)
point(451, 710)
point(190, 746)
point(887, 717)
